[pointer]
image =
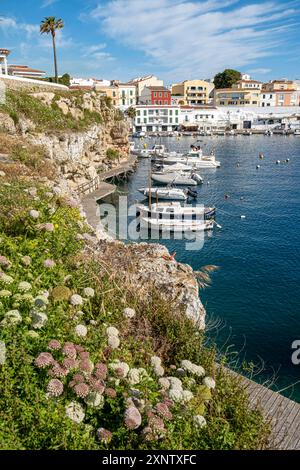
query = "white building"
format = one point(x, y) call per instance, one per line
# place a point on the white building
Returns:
point(156, 118)
point(127, 95)
point(4, 53)
point(88, 82)
point(205, 118)
point(267, 99)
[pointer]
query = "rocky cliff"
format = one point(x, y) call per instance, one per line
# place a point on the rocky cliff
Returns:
point(75, 132)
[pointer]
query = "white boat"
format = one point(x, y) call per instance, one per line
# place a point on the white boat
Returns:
point(174, 210)
point(179, 178)
point(157, 149)
point(174, 168)
point(176, 226)
point(208, 161)
point(297, 132)
point(175, 194)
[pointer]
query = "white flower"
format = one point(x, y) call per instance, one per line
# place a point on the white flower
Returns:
point(2, 353)
point(41, 301)
point(136, 375)
point(175, 383)
point(76, 299)
point(5, 293)
point(32, 334)
point(193, 368)
point(175, 394)
point(34, 214)
point(120, 366)
point(158, 370)
point(75, 412)
point(81, 330)
point(112, 331)
point(89, 292)
point(113, 342)
point(129, 312)
point(2, 174)
point(95, 399)
point(12, 317)
point(199, 421)
point(5, 278)
point(39, 319)
point(209, 382)
point(164, 383)
point(24, 286)
point(187, 396)
point(155, 361)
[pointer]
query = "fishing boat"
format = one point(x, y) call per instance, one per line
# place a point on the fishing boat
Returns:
point(178, 178)
point(171, 194)
point(174, 210)
point(176, 226)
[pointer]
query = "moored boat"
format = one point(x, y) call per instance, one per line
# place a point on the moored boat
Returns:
point(171, 194)
point(176, 226)
point(178, 178)
point(174, 210)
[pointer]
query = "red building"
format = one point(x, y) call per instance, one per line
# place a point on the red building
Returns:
point(156, 95)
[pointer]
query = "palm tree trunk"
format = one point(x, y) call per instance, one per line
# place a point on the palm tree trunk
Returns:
point(55, 58)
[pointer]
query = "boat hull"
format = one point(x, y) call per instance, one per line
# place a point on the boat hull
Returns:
point(172, 178)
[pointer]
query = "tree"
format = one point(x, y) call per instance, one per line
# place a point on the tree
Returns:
point(49, 26)
point(227, 78)
point(131, 112)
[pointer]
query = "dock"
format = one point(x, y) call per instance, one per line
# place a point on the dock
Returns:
point(93, 191)
point(282, 413)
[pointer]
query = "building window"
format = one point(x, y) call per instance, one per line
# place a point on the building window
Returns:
point(138, 120)
point(176, 120)
point(171, 120)
point(145, 112)
point(131, 93)
point(176, 112)
point(145, 120)
point(123, 102)
point(171, 111)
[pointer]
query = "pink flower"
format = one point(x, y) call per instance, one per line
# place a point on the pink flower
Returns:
point(101, 371)
point(110, 392)
point(82, 390)
point(132, 418)
point(55, 388)
point(58, 371)
point(69, 350)
point(69, 363)
point(79, 348)
point(44, 360)
point(104, 435)
point(54, 345)
point(49, 263)
point(86, 365)
point(163, 411)
point(4, 262)
point(84, 355)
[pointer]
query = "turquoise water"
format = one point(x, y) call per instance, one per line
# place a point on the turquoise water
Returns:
point(255, 294)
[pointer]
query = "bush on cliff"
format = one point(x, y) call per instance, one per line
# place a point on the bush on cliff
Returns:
point(85, 362)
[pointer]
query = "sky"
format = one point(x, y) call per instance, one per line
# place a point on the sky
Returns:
point(172, 39)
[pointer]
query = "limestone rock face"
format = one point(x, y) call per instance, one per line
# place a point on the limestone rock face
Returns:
point(7, 124)
point(151, 263)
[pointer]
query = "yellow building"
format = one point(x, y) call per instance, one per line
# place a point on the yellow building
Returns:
point(237, 97)
point(112, 92)
point(279, 85)
point(195, 92)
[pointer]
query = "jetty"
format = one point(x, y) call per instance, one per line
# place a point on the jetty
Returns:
point(98, 188)
point(282, 413)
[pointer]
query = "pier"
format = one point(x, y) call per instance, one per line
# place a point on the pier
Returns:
point(282, 413)
point(93, 191)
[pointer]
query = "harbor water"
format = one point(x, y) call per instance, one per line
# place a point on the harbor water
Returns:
point(254, 300)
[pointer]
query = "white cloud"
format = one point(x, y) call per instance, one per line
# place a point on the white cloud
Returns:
point(47, 3)
point(260, 71)
point(97, 52)
point(10, 26)
point(188, 38)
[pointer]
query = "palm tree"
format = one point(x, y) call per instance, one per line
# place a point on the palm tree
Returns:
point(50, 25)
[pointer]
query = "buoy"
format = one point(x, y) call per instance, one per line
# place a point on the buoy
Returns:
point(277, 162)
point(257, 167)
point(237, 164)
point(226, 196)
point(208, 182)
point(287, 160)
point(243, 217)
point(145, 146)
point(242, 198)
point(261, 156)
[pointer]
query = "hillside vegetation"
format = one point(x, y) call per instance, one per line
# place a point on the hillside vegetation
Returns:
point(87, 362)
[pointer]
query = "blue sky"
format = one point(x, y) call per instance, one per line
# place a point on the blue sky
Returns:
point(173, 39)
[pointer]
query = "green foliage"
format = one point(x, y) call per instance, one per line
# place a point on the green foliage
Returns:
point(46, 118)
point(131, 112)
point(31, 420)
point(63, 80)
point(112, 154)
point(227, 78)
